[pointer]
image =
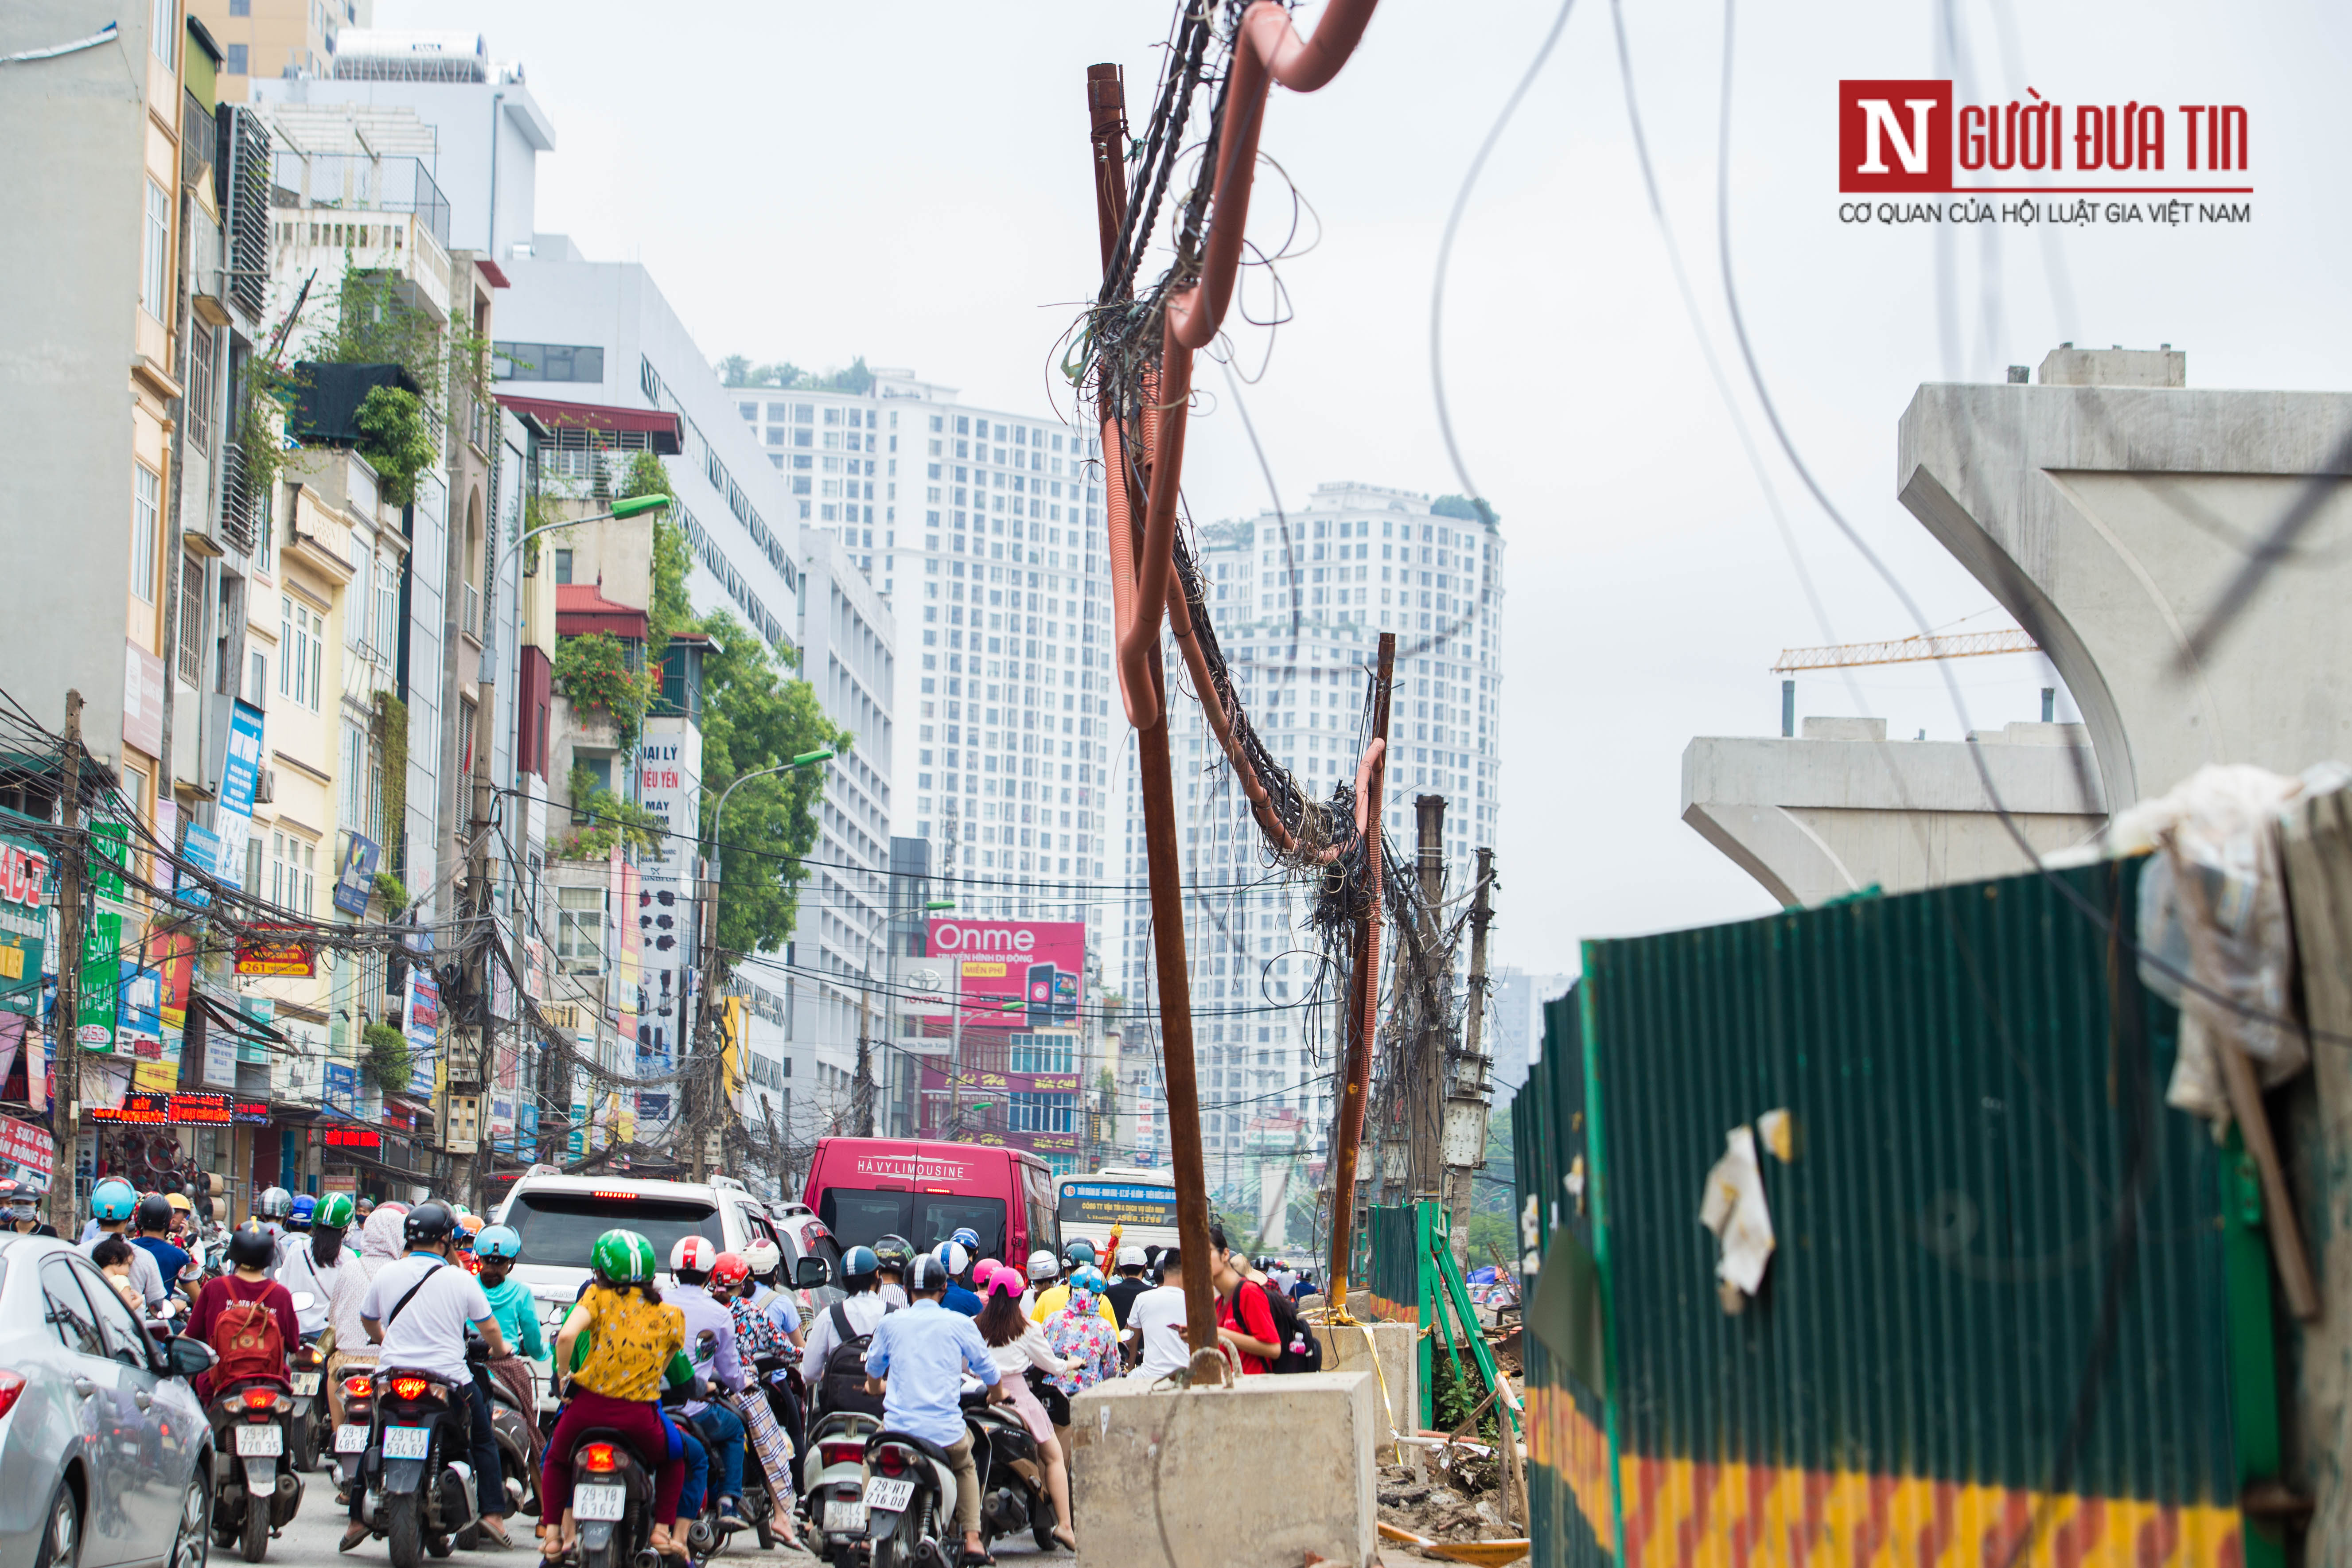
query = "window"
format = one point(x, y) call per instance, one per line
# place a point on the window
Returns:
point(240, 7)
point(387, 605)
point(67, 1309)
point(1041, 1112)
point(156, 270)
point(547, 362)
point(293, 872)
point(164, 41)
point(301, 652)
point(1041, 1053)
point(354, 766)
point(235, 64)
point(125, 1341)
point(192, 620)
point(580, 930)
point(563, 566)
point(198, 403)
point(146, 515)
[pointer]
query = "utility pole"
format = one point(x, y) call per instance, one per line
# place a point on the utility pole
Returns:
point(862, 1107)
point(1364, 1000)
point(65, 1109)
point(1425, 1098)
point(1465, 1094)
point(467, 1059)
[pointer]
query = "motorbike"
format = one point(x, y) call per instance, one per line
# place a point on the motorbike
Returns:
point(832, 1484)
point(1013, 1495)
point(252, 1498)
point(909, 1501)
point(512, 1425)
point(418, 1484)
point(306, 1366)
point(353, 1436)
point(612, 1501)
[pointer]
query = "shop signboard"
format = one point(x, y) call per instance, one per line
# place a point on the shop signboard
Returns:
point(24, 923)
point(28, 1151)
point(139, 1027)
point(200, 850)
point(97, 1006)
point(422, 1023)
point(355, 878)
point(343, 1086)
point(241, 776)
point(276, 953)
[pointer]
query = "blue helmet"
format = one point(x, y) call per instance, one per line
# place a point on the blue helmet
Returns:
point(497, 1241)
point(113, 1199)
point(305, 1205)
point(967, 1238)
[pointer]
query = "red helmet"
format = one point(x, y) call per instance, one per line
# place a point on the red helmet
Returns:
point(729, 1270)
point(693, 1253)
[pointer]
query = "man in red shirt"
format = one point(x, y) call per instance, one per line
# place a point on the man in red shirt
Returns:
point(1245, 1320)
point(252, 1252)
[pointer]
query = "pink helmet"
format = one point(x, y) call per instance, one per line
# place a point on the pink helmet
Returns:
point(694, 1253)
point(983, 1271)
point(1005, 1282)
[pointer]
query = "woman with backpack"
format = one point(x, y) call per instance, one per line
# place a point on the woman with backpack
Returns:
point(1018, 1345)
point(246, 1316)
point(832, 1350)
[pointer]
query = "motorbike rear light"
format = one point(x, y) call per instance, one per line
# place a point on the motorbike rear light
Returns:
point(260, 1399)
point(12, 1386)
point(600, 1457)
point(409, 1387)
point(841, 1453)
point(891, 1462)
point(357, 1388)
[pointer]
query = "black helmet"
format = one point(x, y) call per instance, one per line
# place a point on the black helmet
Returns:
point(428, 1224)
point(894, 1253)
point(154, 1213)
point(251, 1249)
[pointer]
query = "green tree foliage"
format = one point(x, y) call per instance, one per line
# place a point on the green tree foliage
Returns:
point(593, 671)
point(602, 821)
point(1467, 509)
point(669, 613)
point(395, 440)
point(386, 1055)
point(754, 716)
point(785, 376)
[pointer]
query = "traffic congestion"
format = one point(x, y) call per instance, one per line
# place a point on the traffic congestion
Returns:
point(735, 1375)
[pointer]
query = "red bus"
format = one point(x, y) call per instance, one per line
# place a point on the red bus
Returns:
point(867, 1188)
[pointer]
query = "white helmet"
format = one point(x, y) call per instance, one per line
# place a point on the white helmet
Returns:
point(693, 1253)
point(952, 1258)
point(1132, 1257)
point(762, 1258)
point(1044, 1265)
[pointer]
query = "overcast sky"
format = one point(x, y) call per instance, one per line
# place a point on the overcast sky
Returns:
point(910, 183)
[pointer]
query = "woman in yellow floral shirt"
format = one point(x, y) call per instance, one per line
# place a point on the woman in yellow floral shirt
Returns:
point(631, 1336)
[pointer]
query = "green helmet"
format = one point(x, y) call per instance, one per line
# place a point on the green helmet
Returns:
point(622, 1257)
point(333, 1213)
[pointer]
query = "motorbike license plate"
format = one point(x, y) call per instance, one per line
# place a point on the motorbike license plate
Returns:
point(599, 1504)
point(350, 1439)
point(407, 1442)
point(306, 1383)
point(890, 1497)
point(260, 1441)
point(844, 1516)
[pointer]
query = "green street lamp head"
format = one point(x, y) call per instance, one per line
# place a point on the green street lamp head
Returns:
point(939, 904)
point(808, 758)
point(637, 506)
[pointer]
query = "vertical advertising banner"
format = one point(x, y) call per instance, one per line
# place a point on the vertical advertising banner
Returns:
point(240, 777)
point(669, 785)
point(423, 1026)
point(23, 923)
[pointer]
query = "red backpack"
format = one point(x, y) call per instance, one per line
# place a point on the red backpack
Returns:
point(247, 1345)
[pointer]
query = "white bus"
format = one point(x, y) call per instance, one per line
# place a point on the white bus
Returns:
point(1141, 1203)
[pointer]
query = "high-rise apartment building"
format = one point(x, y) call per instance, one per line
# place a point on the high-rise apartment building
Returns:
point(983, 530)
point(1299, 601)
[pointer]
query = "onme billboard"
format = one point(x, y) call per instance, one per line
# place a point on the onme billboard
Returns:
point(1008, 974)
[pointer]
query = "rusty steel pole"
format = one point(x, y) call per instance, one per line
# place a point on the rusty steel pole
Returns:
point(1106, 112)
point(1424, 1106)
point(1363, 997)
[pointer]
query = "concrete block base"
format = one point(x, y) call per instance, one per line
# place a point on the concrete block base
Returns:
point(1242, 1477)
point(1396, 1388)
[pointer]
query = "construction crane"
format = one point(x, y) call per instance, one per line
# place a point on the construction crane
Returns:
point(1964, 645)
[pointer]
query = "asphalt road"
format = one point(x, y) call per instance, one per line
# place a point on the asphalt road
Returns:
point(309, 1541)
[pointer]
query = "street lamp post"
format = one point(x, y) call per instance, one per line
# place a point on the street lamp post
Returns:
point(622, 509)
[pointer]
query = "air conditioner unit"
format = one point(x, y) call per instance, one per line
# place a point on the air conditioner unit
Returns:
point(266, 791)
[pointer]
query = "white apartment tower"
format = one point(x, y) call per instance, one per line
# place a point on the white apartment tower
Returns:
point(983, 530)
point(1298, 601)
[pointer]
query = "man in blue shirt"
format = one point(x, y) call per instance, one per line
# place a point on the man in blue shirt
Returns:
point(954, 1262)
point(152, 1220)
point(917, 1363)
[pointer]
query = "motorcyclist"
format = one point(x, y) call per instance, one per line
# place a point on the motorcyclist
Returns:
point(633, 1335)
point(22, 1208)
point(517, 1313)
point(250, 1253)
point(313, 1261)
point(953, 1256)
point(1052, 1297)
point(469, 1227)
point(111, 1204)
point(895, 1256)
point(756, 1337)
point(707, 1323)
point(271, 1209)
point(304, 1206)
point(152, 1220)
point(418, 1310)
point(917, 1363)
point(768, 1293)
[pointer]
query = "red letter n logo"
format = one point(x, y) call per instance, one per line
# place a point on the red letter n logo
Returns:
point(1894, 136)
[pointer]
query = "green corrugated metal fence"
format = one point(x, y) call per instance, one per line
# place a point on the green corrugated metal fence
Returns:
point(1967, 1070)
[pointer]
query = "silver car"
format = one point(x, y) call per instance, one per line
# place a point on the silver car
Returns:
point(105, 1454)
